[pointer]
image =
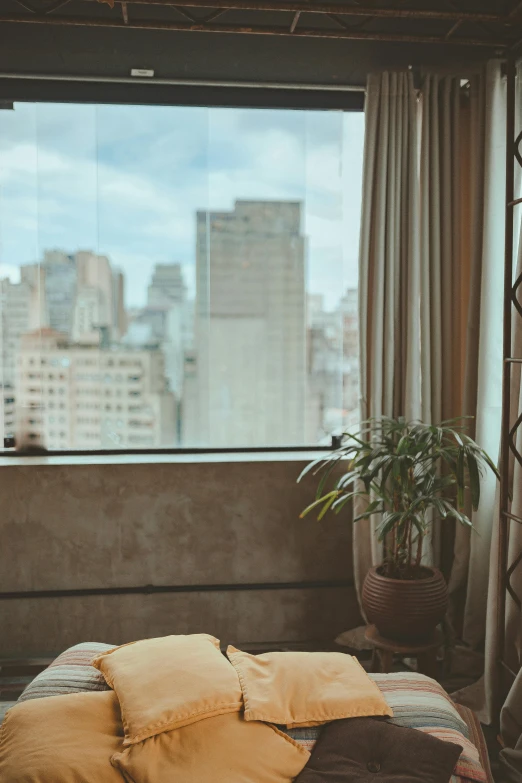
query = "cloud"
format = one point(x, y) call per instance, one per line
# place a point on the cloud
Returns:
point(127, 181)
point(10, 272)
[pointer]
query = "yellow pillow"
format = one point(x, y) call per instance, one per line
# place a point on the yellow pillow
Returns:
point(62, 739)
point(166, 683)
point(305, 689)
point(223, 749)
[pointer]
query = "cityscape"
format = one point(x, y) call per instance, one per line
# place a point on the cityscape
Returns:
point(245, 356)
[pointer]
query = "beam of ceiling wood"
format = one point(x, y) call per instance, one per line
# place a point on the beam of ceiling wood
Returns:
point(342, 9)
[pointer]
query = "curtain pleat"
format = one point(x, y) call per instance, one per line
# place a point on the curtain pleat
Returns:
point(388, 264)
point(487, 379)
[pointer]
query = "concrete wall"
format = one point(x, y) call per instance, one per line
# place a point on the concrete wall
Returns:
point(103, 525)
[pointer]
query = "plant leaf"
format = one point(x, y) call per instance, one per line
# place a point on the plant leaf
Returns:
point(474, 480)
point(460, 479)
point(316, 503)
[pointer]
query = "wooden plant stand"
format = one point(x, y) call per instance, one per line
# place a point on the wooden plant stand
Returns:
point(385, 649)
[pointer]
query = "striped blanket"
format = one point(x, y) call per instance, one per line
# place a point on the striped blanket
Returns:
point(420, 703)
point(417, 702)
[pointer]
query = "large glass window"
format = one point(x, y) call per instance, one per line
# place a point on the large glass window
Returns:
point(178, 277)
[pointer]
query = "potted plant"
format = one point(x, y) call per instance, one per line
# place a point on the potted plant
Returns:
point(409, 474)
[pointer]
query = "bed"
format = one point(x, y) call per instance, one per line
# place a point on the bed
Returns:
point(417, 702)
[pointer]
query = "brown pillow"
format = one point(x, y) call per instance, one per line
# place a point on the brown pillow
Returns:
point(364, 750)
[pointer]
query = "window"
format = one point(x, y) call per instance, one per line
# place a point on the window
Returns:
point(201, 261)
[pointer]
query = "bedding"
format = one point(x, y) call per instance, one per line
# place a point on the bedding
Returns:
point(356, 749)
point(170, 682)
point(72, 671)
point(336, 687)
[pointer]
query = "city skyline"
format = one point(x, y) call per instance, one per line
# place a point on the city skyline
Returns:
point(254, 359)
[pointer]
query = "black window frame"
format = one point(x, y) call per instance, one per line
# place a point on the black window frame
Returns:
point(157, 92)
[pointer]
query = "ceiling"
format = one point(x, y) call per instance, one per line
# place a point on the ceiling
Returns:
point(493, 26)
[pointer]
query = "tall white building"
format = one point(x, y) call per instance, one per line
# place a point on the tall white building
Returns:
point(20, 311)
point(84, 397)
point(245, 384)
point(98, 311)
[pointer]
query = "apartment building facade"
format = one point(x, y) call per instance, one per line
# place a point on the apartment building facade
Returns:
point(86, 397)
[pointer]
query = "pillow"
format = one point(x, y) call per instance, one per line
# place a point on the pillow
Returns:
point(422, 704)
point(166, 683)
point(355, 750)
point(336, 687)
point(223, 749)
point(71, 672)
point(63, 739)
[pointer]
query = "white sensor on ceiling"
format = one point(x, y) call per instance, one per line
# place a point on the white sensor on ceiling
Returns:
point(146, 72)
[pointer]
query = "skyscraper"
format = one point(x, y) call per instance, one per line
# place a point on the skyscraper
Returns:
point(60, 280)
point(167, 286)
point(20, 310)
point(166, 321)
point(246, 384)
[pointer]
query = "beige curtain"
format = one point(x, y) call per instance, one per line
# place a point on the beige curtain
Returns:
point(431, 277)
point(423, 354)
point(389, 269)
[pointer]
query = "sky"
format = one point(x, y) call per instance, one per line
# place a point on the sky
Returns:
point(127, 181)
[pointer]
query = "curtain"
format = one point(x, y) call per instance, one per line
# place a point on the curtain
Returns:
point(511, 731)
point(431, 293)
point(462, 207)
point(485, 384)
point(511, 715)
point(421, 271)
point(486, 699)
point(431, 277)
point(388, 270)
point(480, 612)
point(495, 683)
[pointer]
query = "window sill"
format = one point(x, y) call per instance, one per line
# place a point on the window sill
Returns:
point(163, 459)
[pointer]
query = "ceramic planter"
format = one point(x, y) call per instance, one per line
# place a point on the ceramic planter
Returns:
point(406, 610)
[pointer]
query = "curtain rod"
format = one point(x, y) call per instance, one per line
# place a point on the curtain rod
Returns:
point(184, 82)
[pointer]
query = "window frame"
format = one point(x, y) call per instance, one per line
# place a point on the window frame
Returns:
point(157, 92)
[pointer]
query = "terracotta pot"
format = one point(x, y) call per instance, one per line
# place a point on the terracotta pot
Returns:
point(405, 610)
